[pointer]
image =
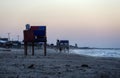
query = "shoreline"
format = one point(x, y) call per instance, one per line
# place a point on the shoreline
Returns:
point(13, 64)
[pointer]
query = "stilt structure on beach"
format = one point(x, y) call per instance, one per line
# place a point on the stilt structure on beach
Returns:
point(34, 34)
point(62, 45)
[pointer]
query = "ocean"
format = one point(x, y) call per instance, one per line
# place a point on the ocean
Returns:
point(98, 52)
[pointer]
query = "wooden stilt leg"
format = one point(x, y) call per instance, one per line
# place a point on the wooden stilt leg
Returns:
point(45, 48)
point(33, 48)
point(25, 48)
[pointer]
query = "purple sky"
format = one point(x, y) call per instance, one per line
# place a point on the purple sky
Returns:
point(94, 23)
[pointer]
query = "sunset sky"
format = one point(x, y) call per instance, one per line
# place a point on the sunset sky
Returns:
point(93, 23)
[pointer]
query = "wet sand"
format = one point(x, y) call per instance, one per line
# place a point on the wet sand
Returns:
point(13, 64)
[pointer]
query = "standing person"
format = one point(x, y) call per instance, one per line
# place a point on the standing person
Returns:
point(58, 46)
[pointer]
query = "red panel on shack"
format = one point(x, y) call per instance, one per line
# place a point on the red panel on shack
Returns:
point(34, 28)
point(28, 36)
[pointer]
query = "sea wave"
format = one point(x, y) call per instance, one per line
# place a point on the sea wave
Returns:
point(97, 52)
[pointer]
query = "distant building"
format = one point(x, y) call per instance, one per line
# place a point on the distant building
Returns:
point(15, 44)
point(3, 42)
point(76, 46)
point(4, 39)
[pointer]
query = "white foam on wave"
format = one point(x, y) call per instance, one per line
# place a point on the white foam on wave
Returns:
point(97, 52)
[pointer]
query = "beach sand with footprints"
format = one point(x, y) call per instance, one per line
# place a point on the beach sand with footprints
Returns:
point(13, 64)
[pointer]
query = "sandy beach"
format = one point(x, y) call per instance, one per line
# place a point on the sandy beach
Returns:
point(13, 64)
